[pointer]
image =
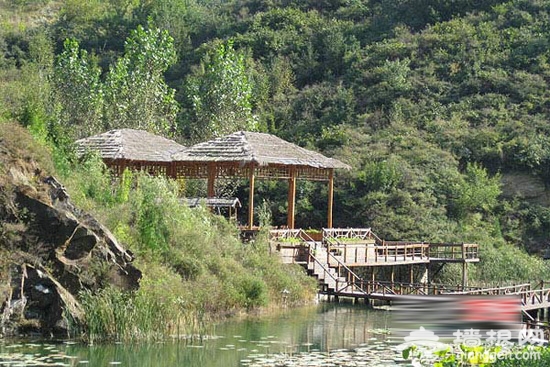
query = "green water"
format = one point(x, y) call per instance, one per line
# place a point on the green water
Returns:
point(247, 342)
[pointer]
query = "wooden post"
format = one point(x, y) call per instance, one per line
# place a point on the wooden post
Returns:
point(122, 167)
point(330, 197)
point(291, 198)
point(172, 170)
point(464, 274)
point(411, 274)
point(428, 267)
point(251, 198)
point(211, 180)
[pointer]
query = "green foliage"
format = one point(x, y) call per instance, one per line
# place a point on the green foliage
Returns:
point(94, 183)
point(479, 355)
point(432, 105)
point(116, 315)
point(78, 90)
point(380, 176)
point(478, 193)
point(133, 95)
point(150, 202)
point(136, 93)
point(221, 95)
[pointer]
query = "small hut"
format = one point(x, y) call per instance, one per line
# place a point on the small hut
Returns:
point(133, 149)
point(228, 206)
point(252, 156)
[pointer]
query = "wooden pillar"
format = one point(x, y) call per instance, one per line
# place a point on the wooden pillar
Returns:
point(464, 274)
point(291, 198)
point(122, 167)
point(251, 198)
point(171, 170)
point(411, 273)
point(330, 197)
point(211, 180)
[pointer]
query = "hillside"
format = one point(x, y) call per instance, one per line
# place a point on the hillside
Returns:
point(442, 109)
point(50, 251)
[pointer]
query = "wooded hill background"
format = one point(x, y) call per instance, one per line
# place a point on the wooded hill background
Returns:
point(441, 107)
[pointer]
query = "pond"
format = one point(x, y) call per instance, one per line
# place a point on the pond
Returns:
point(327, 334)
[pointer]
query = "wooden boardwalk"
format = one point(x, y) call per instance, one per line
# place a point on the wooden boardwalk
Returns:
point(333, 257)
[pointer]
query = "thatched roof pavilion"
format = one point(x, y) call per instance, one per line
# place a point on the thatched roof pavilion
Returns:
point(134, 149)
point(257, 155)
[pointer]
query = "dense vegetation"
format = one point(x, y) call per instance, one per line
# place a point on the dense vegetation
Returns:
point(441, 107)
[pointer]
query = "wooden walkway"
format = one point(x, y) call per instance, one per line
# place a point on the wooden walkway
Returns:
point(332, 258)
point(361, 247)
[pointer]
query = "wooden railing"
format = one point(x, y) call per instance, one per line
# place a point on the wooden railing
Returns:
point(335, 271)
point(301, 238)
point(284, 234)
point(535, 298)
point(363, 253)
point(531, 296)
point(340, 234)
point(453, 251)
point(325, 271)
point(400, 288)
point(360, 246)
point(353, 243)
point(401, 251)
point(497, 291)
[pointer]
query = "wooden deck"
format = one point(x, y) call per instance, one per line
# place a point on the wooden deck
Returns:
point(332, 258)
point(357, 247)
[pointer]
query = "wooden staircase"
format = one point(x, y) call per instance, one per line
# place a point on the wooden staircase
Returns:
point(334, 276)
point(329, 279)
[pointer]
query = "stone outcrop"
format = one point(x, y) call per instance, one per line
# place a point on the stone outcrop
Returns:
point(49, 252)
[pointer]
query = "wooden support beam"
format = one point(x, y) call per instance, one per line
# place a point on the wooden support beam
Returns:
point(291, 198)
point(172, 170)
point(464, 274)
point(330, 197)
point(211, 180)
point(251, 197)
point(123, 165)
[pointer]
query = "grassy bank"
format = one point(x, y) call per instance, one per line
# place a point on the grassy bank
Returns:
point(195, 268)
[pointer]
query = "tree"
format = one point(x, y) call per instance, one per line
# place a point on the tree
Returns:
point(478, 193)
point(136, 94)
point(78, 91)
point(220, 93)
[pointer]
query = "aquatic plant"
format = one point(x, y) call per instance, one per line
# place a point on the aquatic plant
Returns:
point(461, 355)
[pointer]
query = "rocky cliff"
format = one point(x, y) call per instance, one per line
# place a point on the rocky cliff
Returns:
point(49, 250)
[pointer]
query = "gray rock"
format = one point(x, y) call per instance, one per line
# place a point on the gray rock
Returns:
point(45, 228)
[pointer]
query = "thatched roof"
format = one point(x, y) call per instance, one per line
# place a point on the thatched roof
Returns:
point(129, 144)
point(245, 147)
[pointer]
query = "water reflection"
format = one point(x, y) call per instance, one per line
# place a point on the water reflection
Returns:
point(325, 328)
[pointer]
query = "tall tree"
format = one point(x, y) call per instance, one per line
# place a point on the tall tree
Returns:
point(78, 90)
point(136, 93)
point(220, 93)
